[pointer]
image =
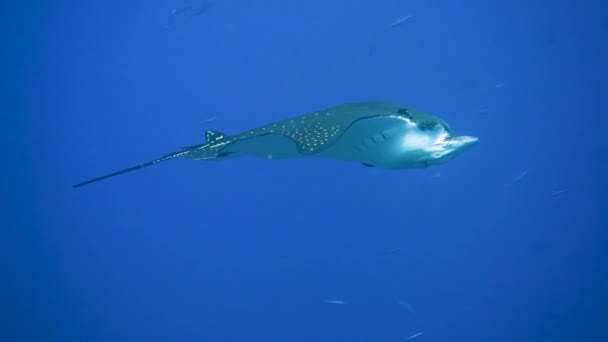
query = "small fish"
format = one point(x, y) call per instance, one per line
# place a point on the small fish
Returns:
point(335, 301)
point(557, 193)
point(414, 336)
point(520, 177)
point(171, 29)
point(207, 120)
point(399, 21)
point(405, 305)
point(193, 9)
point(181, 10)
point(391, 251)
point(375, 38)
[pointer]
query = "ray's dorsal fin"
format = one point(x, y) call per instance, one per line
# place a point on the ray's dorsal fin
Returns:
point(166, 157)
point(214, 136)
point(211, 137)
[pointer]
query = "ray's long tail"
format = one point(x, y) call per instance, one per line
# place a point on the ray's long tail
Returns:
point(140, 166)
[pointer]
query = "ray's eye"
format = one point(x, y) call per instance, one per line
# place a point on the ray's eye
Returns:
point(427, 125)
point(404, 112)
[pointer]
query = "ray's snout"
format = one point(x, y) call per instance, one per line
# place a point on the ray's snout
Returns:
point(455, 146)
point(465, 141)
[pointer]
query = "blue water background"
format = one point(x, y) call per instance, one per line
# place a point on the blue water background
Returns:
point(484, 248)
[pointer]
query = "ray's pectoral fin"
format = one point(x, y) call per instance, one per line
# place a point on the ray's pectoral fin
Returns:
point(368, 165)
point(272, 146)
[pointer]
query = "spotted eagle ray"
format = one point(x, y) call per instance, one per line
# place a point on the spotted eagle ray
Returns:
point(380, 134)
